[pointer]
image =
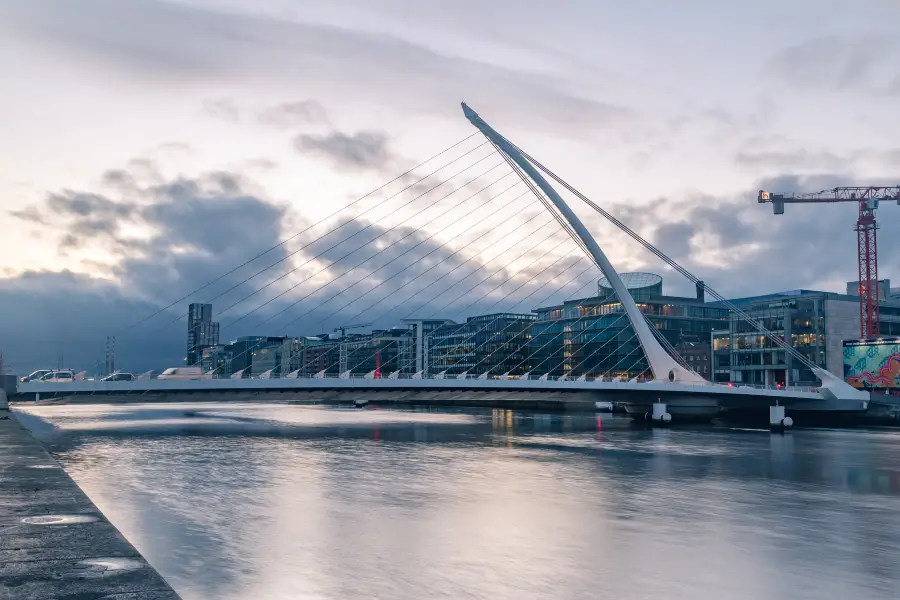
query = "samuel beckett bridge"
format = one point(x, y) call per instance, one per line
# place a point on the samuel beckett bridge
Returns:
point(652, 382)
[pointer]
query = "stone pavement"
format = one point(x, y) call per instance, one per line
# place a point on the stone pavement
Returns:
point(54, 543)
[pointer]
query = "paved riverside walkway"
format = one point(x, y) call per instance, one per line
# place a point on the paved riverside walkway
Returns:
point(54, 543)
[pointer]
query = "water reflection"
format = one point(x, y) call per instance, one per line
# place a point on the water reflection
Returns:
point(240, 501)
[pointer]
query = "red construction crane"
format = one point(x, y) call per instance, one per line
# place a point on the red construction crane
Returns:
point(867, 198)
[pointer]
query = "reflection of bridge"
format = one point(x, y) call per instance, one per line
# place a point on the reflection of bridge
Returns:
point(674, 390)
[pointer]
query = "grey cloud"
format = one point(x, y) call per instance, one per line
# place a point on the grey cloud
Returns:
point(204, 227)
point(894, 86)
point(295, 114)
point(805, 247)
point(30, 213)
point(68, 316)
point(800, 159)
point(89, 216)
point(364, 149)
point(781, 154)
point(835, 62)
point(675, 237)
point(195, 226)
point(249, 48)
point(222, 108)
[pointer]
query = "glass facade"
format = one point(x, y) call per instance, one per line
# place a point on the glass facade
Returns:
point(412, 358)
point(202, 332)
point(593, 337)
point(495, 344)
point(381, 350)
point(814, 323)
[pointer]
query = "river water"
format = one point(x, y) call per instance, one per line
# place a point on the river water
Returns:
point(294, 502)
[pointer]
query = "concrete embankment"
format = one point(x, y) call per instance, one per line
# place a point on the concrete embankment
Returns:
point(54, 543)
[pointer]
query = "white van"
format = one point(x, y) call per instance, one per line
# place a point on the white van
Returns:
point(182, 373)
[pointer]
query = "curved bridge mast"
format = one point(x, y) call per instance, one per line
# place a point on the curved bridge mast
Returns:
point(663, 366)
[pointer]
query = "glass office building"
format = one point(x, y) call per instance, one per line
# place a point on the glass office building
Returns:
point(593, 337)
point(496, 344)
point(814, 323)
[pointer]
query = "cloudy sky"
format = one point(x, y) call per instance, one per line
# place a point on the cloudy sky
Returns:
point(152, 146)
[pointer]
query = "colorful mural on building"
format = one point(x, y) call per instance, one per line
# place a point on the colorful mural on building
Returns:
point(872, 364)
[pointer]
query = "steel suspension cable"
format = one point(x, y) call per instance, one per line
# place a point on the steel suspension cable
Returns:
point(347, 254)
point(462, 264)
point(294, 236)
point(502, 331)
point(440, 262)
point(367, 259)
point(484, 328)
point(516, 305)
point(429, 238)
point(326, 234)
point(351, 269)
point(669, 261)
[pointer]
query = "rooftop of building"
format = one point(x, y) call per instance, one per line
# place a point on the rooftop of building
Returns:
point(598, 300)
point(502, 315)
point(804, 293)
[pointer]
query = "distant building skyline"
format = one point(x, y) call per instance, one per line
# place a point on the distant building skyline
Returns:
point(202, 332)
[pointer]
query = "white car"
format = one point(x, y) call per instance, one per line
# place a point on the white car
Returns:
point(64, 375)
point(182, 373)
point(36, 375)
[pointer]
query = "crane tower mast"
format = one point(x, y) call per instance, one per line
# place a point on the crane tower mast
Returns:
point(868, 199)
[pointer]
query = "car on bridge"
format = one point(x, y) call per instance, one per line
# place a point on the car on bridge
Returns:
point(35, 375)
point(58, 376)
point(182, 373)
point(119, 377)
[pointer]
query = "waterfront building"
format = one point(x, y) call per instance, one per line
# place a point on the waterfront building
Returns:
point(413, 358)
point(496, 344)
point(382, 350)
point(202, 332)
point(593, 337)
point(216, 359)
point(883, 290)
point(254, 355)
point(697, 353)
point(319, 353)
point(815, 323)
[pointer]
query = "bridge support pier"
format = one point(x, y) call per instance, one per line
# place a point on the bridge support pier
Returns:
point(778, 423)
point(660, 415)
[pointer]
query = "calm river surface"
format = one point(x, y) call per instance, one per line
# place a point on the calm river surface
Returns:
point(234, 501)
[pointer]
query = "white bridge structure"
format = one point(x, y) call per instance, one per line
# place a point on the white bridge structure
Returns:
point(674, 392)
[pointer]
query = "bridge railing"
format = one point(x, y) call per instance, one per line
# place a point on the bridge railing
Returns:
point(138, 383)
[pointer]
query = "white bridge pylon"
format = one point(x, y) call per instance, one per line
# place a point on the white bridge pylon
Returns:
point(663, 366)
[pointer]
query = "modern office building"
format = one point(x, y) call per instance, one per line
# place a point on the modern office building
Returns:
point(381, 351)
point(254, 355)
point(202, 332)
point(413, 358)
point(319, 353)
point(281, 354)
point(496, 344)
point(697, 353)
point(593, 337)
point(815, 323)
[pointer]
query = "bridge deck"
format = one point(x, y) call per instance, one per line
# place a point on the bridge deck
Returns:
point(157, 386)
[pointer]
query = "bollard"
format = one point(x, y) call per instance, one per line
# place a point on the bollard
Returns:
point(659, 415)
point(778, 423)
